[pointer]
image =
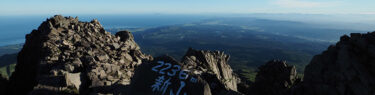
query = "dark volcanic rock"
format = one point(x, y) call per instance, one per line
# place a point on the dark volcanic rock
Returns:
point(66, 56)
point(348, 68)
point(274, 78)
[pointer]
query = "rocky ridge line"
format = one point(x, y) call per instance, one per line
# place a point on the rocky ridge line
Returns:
point(67, 56)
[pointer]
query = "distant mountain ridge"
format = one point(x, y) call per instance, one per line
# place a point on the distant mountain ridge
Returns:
point(303, 30)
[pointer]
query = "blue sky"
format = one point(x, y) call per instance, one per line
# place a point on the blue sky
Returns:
point(32, 7)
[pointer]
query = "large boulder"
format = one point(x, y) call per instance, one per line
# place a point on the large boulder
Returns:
point(67, 56)
point(347, 68)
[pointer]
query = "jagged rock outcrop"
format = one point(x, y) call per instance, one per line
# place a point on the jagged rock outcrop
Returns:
point(66, 56)
point(275, 78)
point(347, 68)
point(214, 65)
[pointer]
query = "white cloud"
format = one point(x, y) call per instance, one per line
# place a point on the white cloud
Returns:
point(302, 4)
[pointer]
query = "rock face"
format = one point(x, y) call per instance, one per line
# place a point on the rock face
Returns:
point(200, 72)
point(66, 56)
point(213, 64)
point(275, 78)
point(166, 76)
point(344, 69)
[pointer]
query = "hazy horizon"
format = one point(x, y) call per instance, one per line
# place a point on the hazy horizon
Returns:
point(14, 28)
point(37, 7)
point(19, 17)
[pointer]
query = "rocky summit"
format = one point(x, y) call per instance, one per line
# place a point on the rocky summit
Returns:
point(66, 56)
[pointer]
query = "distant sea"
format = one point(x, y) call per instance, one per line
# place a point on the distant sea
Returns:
point(14, 28)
